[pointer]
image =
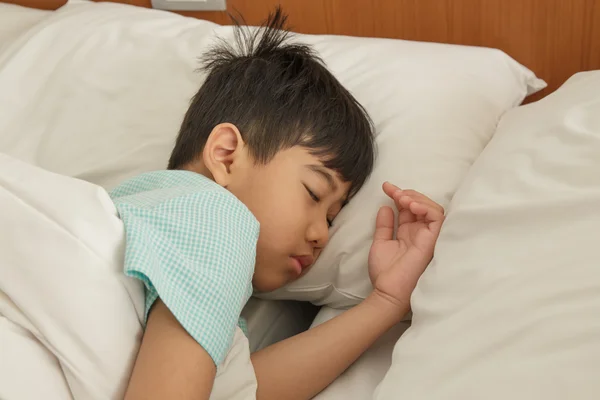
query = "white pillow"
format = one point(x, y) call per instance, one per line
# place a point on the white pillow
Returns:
point(360, 380)
point(106, 104)
point(435, 108)
point(16, 20)
point(509, 307)
point(103, 104)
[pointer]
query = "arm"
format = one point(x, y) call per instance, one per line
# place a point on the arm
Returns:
point(300, 367)
point(170, 363)
point(303, 365)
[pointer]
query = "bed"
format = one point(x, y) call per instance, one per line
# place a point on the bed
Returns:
point(436, 106)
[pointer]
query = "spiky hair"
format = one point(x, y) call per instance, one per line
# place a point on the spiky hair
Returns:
point(279, 94)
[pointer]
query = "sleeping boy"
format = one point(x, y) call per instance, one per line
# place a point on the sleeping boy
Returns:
point(270, 150)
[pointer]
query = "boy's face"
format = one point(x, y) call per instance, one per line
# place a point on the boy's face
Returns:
point(294, 197)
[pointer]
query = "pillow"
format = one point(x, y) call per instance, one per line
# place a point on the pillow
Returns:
point(106, 104)
point(360, 380)
point(508, 309)
point(435, 107)
point(70, 317)
point(16, 20)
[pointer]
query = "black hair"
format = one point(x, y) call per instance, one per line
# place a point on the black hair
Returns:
point(279, 95)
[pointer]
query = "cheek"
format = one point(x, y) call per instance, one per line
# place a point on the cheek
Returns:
point(282, 209)
point(281, 220)
point(282, 232)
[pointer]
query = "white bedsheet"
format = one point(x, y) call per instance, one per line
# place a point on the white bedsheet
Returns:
point(360, 380)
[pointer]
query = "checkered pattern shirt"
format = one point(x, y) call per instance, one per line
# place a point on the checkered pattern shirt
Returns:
point(193, 244)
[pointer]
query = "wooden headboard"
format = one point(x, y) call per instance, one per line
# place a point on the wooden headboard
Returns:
point(554, 38)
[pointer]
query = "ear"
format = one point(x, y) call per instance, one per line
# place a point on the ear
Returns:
point(223, 148)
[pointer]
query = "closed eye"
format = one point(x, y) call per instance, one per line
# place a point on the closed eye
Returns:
point(317, 199)
point(312, 194)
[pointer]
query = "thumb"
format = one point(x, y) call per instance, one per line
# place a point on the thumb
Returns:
point(384, 224)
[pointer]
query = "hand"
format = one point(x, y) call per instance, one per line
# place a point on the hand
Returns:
point(395, 264)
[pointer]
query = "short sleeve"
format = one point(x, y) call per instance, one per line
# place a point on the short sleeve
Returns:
point(197, 253)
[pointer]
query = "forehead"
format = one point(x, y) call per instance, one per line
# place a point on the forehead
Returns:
point(302, 160)
point(337, 185)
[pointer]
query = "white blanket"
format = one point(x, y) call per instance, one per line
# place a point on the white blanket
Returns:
point(70, 320)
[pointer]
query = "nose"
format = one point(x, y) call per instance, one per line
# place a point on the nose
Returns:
point(318, 233)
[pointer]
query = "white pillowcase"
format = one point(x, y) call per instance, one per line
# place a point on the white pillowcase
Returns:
point(106, 104)
point(15, 20)
point(435, 108)
point(509, 307)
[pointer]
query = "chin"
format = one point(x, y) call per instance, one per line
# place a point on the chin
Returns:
point(268, 284)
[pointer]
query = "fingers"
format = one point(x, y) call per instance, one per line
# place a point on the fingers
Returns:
point(390, 189)
point(405, 214)
point(429, 213)
point(421, 198)
point(395, 193)
point(384, 224)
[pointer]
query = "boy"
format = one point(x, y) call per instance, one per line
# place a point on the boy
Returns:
point(270, 150)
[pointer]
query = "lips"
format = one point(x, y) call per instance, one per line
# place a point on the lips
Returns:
point(304, 261)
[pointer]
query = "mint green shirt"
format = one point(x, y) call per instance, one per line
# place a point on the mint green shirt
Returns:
point(193, 244)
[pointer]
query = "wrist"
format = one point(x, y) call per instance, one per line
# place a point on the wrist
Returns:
point(387, 306)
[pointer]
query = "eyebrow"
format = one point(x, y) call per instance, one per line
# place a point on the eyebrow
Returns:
point(326, 175)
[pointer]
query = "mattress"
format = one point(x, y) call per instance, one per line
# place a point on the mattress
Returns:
point(268, 321)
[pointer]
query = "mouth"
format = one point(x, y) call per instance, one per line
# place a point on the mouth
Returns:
point(300, 263)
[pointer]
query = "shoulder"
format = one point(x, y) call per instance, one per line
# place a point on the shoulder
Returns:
point(216, 212)
point(161, 185)
point(163, 188)
point(185, 203)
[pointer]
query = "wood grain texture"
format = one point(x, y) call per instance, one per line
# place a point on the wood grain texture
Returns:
point(555, 38)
